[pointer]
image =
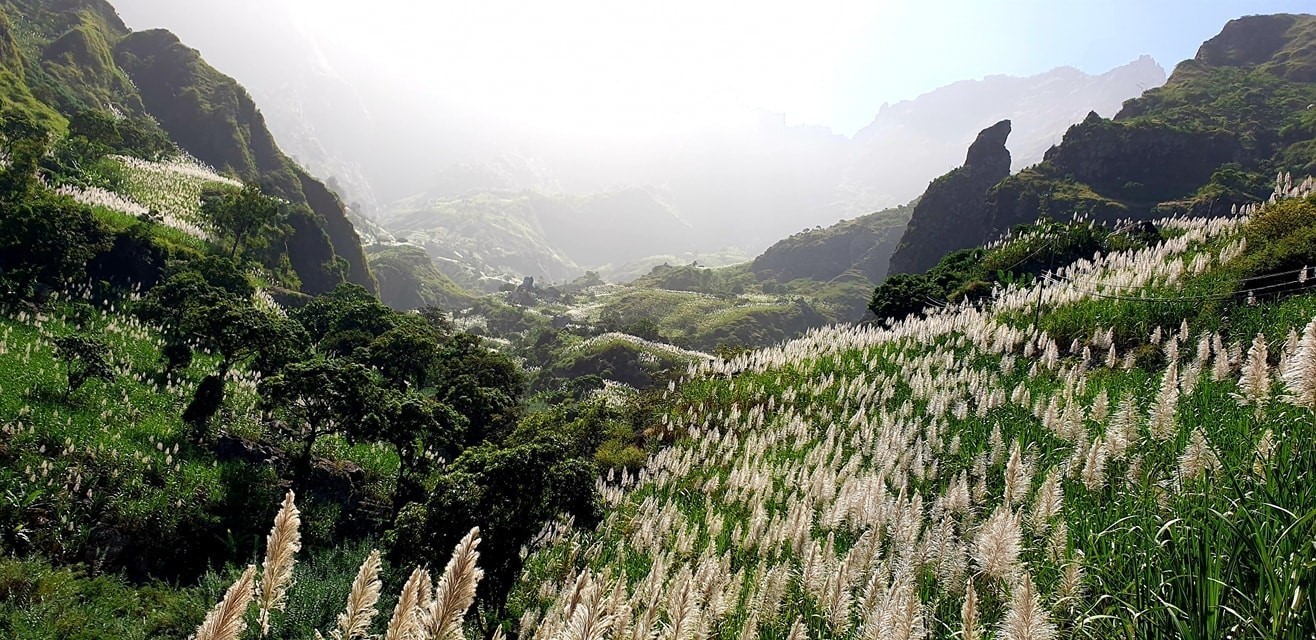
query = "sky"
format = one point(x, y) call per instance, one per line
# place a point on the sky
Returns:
point(608, 66)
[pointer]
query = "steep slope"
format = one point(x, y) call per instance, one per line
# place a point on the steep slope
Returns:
point(15, 94)
point(741, 181)
point(408, 280)
point(75, 56)
point(1213, 137)
point(949, 216)
point(82, 60)
point(214, 118)
point(863, 245)
point(1055, 462)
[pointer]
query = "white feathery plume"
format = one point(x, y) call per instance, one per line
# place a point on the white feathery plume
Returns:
point(1254, 385)
point(406, 621)
point(1163, 421)
point(456, 590)
point(969, 614)
point(1025, 619)
point(1299, 373)
point(227, 620)
point(998, 543)
point(281, 549)
point(354, 621)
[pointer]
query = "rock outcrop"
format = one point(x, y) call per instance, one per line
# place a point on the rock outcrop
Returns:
point(951, 214)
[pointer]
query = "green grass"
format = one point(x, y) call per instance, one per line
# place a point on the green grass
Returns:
point(1216, 556)
point(110, 476)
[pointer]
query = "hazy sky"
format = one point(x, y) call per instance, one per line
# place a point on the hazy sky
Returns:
point(607, 66)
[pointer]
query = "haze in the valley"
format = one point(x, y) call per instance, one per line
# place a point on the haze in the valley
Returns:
point(583, 134)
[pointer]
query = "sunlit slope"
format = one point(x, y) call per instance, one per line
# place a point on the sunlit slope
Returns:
point(1121, 448)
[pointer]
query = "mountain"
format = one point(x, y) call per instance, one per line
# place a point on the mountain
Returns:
point(77, 55)
point(1212, 138)
point(862, 245)
point(408, 279)
point(948, 216)
point(740, 183)
point(932, 130)
point(504, 235)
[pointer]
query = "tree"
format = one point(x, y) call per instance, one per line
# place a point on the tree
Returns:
point(479, 383)
point(419, 430)
point(404, 355)
point(903, 294)
point(317, 398)
point(348, 308)
point(509, 493)
point(85, 357)
point(23, 142)
point(249, 216)
point(206, 402)
point(46, 240)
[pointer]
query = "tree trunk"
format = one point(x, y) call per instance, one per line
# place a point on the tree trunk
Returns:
point(302, 474)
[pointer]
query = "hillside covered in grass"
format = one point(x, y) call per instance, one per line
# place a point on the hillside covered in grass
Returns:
point(74, 68)
point(1120, 448)
point(1072, 428)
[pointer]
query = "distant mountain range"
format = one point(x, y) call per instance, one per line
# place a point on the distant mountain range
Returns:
point(1212, 138)
point(380, 140)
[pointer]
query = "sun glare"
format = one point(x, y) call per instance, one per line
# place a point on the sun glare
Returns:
point(613, 68)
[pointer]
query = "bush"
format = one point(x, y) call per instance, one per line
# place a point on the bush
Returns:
point(46, 241)
point(902, 295)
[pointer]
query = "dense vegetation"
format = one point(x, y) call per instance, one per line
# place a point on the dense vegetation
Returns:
point(1077, 431)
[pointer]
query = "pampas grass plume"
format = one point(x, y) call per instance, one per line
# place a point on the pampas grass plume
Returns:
point(354, 621)
point(456, 590)
point(227, 620)
point(280, 555)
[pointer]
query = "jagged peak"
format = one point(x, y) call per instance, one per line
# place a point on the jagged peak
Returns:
point(989, 148)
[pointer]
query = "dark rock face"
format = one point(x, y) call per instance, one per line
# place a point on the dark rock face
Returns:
point(1141, 161)
point(988, 154)
point(951, 214)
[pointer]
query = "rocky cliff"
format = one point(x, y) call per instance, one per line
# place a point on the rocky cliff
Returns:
point(1212, 137)
point(949, 216)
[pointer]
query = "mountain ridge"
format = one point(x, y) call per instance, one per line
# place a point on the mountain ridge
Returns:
point(80, 55)
point(1209, 140)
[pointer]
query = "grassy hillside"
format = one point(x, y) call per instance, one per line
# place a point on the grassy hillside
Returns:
point(1133, 464)
point(408, 280)
point(74, 60)
point(863, 244)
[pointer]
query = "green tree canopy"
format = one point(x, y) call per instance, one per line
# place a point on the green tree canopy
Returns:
point(85, 358)
point(509, 493)
point(320, 397)
point(247, 215)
